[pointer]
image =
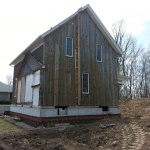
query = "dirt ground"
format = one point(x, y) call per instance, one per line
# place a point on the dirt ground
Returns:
point(130, 132)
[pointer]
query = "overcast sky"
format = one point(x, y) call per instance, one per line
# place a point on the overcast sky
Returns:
point(22, 21)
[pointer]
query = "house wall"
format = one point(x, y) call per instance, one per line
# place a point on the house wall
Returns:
point(60, 69)
point(38, 54)
point(5, 96)
point(17, 67)
point(102, 75)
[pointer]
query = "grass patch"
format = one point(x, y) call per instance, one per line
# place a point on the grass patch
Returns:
point(7, 126)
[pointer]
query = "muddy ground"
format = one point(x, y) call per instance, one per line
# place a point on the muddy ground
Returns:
point(132, 131)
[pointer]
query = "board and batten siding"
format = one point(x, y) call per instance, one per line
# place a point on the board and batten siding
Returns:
point(102, 75)
point(59, 68)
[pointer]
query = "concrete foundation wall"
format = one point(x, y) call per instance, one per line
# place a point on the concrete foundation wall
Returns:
point(4, 108)
point(57, 112)
point(115, 110)
point(84, 111)
point(26, 110)
point(34, 111)
point(52, 112)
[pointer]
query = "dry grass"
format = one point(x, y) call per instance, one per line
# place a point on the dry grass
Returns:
point(136, 108)
point(6, 126)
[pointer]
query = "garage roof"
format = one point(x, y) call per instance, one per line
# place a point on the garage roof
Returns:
point(5, 88)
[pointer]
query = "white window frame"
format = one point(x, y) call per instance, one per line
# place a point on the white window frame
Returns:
point(72, 46)
point(82, 83)
point(101, 52)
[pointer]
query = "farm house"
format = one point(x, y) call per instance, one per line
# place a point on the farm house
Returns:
point(70, 70)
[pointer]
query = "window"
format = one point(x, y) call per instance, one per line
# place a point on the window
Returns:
point(85, 83)
point(98, 52)
point(69, 46)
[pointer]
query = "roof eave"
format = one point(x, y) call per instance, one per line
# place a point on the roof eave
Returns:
point(104, 30)
point(97, 22)
point(21, 55)
point(95, 19)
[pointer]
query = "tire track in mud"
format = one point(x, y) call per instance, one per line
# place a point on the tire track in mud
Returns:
point(133, 137)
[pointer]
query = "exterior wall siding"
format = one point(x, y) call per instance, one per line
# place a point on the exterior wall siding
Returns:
point(58, 83)
point(60, 69)
point(102, 75)
point(17, 67)
point(38, 54)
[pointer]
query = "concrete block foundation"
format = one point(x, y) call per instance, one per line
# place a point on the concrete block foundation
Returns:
point(58, 112)
point(84, 111)
point(37, 116)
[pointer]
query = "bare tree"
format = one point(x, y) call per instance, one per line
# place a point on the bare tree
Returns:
point(9, 79)
point(132, 62)
point(128, 64)
point(144, 87)
point(124, 41)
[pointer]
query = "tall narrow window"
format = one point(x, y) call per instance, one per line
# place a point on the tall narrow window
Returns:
point(98, 52)
point(85, 83)
point(69, 46)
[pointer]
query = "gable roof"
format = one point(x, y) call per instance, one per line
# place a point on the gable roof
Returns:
point(5, 88)
point(93, 16)
point(30, 63)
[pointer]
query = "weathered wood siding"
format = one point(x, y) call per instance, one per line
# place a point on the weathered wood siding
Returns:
point(102, 75)
point(37, 54)
point(60, 69)
point(60, 89)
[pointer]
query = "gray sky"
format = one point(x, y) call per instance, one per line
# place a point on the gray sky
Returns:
point(22, 21)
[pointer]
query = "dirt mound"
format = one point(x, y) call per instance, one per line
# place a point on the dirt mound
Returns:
point(136, 108)
point(102, 134)
point(112, 134)
point(132, 131)
point(96, 135)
